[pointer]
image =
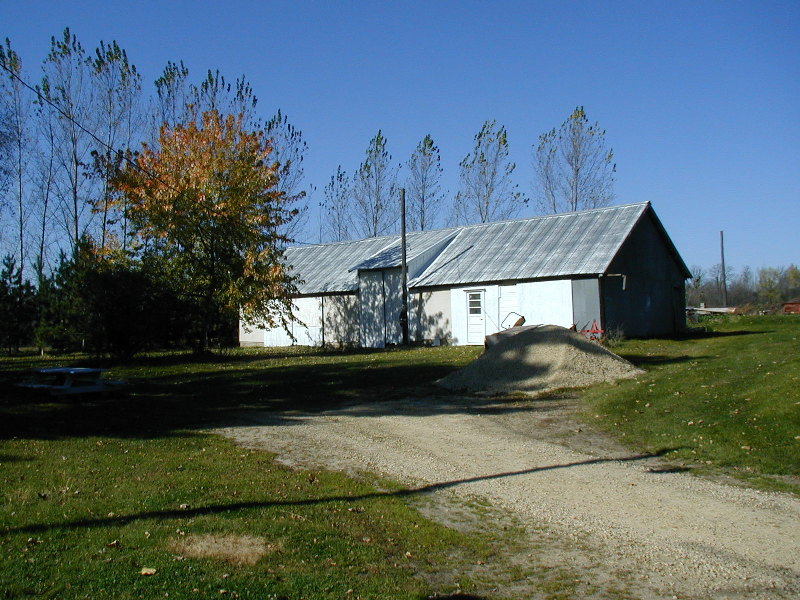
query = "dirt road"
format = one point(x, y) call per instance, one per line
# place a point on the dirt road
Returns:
point(666, 533)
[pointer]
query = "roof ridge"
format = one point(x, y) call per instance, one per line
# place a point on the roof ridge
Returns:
point(459, 228)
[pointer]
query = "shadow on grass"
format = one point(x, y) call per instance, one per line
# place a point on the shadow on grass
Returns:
point(724, 334)
point(641, 360)
point(119, 520)
point(162, 400)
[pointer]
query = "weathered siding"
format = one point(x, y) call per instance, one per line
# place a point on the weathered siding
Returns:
point(614, 265)
point(253, 337)
point(341, 322)
point(586, 303)
point(540, 302)
point(508, 306)
point(380, 303)
point(430, 319)
point(306, 332)
point(652, 301)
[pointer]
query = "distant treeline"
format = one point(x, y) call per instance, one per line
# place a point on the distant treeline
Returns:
point(766, 289)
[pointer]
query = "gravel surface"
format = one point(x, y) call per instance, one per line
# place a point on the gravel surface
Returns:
point(668, 534)
point(537, 358)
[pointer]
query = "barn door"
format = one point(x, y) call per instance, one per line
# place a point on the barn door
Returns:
point(476, 326)
point(507, 306)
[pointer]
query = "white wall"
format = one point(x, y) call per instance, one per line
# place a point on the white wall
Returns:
point(371, 307)
point(546, 302)
point(371, 319)
point(458, 311)
point(381, 302)
point(540, 302)
point(306, 333)
point(341, 324)
point(254, 337)
point(429, 316)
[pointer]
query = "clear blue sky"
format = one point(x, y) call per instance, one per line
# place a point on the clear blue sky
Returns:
point(700, 99)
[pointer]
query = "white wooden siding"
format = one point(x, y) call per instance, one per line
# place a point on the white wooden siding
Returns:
point(372, 318)
point(254, 337)
point(546, 302)
point(429, 318)
point(507, 306)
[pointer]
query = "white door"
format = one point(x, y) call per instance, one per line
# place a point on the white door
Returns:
point(476, 327)
point(507, 306)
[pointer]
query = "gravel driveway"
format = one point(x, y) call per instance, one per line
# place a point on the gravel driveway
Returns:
point(671, 534)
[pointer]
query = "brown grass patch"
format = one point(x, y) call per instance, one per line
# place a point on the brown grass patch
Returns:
point(233, 549)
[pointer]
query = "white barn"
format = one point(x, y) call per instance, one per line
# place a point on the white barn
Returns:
point(615, 267)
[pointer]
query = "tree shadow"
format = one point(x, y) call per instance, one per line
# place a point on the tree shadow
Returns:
point(655, 360)
point(174, 401)
point(188, 513)
point(719, 334)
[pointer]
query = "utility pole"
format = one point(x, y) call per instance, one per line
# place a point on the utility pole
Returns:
point(404, 309)
point(724, 279)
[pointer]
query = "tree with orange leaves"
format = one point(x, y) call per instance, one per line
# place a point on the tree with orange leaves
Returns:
point(204, 205)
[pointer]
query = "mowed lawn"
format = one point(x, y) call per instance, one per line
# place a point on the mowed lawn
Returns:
point(725, 402)
point(126, 497)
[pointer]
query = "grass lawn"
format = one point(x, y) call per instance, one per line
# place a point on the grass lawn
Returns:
point(125, 497)
point(726, 402)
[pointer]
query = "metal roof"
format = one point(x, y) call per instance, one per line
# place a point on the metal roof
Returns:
point(417, 244)
point(572, 244)
point(327, 268)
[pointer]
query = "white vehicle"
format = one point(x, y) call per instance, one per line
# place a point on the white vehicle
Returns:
point(65, 381)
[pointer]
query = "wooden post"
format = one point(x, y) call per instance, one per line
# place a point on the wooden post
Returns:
point(404, 309)
point(724, 279)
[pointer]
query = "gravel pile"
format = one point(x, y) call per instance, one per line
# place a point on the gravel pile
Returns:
point(534, 359)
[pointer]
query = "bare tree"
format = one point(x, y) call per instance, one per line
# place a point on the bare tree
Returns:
point(44, 189)
point(170, 106)
point(17, 142)
point(741, 289)
point(487, 192)
point(215, 93)
point(288, 150)
point(117, 86)
point(6, 152)
point(67, 89)
point(375, 190)
point(337, 211)
point(573, 170)
point(424, 193)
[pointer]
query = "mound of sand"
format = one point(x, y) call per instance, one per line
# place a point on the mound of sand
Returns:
point(534, 359)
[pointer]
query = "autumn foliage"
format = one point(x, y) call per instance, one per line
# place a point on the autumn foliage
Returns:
point(204, 204)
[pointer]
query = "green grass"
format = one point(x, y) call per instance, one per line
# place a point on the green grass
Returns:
point(726, 402)
point(82, 518)
point(94, 491)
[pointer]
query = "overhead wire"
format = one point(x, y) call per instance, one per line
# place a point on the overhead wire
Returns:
point(72, 120)
point(102, 143)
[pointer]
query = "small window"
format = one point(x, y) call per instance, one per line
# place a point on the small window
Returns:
point(474, 303)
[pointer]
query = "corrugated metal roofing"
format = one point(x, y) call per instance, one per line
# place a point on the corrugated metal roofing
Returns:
point(417, 243)
point(327, 268)
point(580, 243)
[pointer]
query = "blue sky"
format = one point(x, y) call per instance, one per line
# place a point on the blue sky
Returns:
point(700, 100)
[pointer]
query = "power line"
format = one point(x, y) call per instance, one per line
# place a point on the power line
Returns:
point(72, 120)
